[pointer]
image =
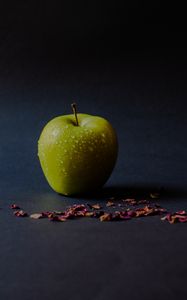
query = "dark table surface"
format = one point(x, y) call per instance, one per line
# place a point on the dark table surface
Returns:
point(144, 97)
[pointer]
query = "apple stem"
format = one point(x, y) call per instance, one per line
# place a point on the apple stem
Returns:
point(74, 108)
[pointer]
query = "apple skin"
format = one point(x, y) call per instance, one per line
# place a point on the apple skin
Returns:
point(77, 159)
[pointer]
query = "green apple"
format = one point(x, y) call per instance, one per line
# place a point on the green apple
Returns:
point(77, 152)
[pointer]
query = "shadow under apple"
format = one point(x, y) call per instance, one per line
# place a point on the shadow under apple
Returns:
point(133, 191)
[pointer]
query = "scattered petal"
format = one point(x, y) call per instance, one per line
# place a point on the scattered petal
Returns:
point(183, 219)
point(180, 217)
point(89, 214)
point(20, 213)
point(130, 201)
point(81, 210)
point(181, 212)
point(56, 212)
point(110, 203)
point(37, 216)
point(61, 218)
point(46, 213)
point(131, 213)
point(14, 206)
point(106, 217)
point(149, 210)
point(121, 215)
point(94, 214)
point(55, 218)
point(94, 206)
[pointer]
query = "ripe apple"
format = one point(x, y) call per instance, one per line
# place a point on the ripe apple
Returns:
point(77, 152)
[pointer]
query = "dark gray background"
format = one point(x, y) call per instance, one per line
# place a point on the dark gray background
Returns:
point(126, 63)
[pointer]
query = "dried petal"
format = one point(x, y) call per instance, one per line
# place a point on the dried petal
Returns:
point(110, 203)
point(148, 210)
point(57, 218)
point(20, 213)
point(130, 201)
point(89, 214)
point(183, 219)
point(46, 214)
point(161, 210)
point(56, 212)
point(121, 215)
point(77, 207)
point(173, 220)
point(180, 217)
point(131, 213)
point(106, 217)
point(37, 216)
point(61, 218)
point(78, 210)
point(14, 206)
point(181, 212)
point(94, 206)
point(51, 215)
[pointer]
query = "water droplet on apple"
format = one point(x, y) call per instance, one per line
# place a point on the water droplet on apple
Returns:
point(55, 132)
